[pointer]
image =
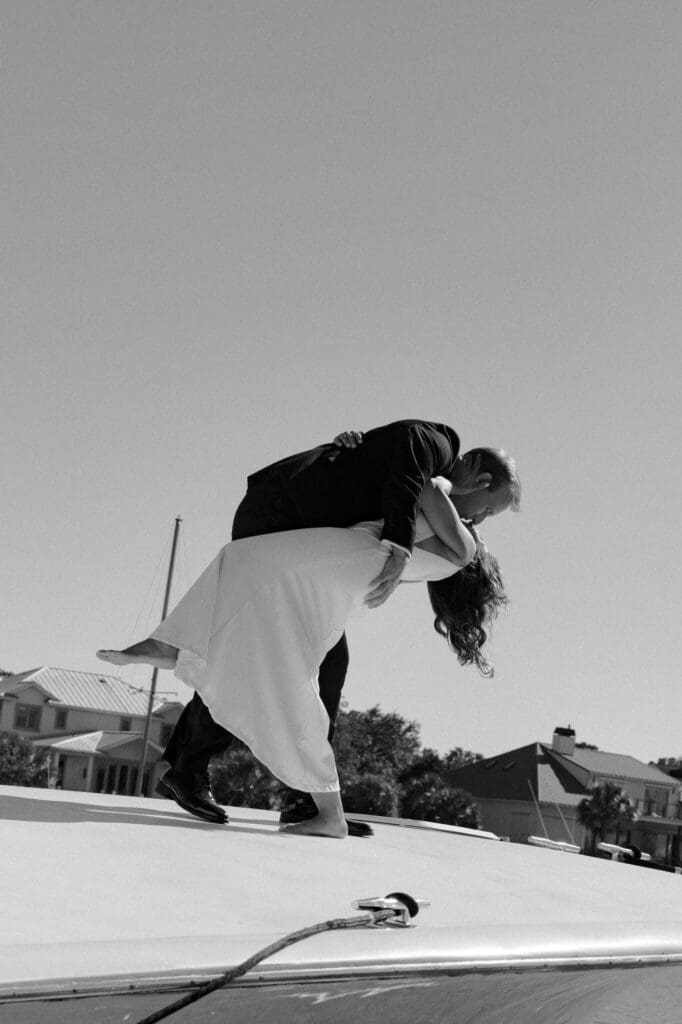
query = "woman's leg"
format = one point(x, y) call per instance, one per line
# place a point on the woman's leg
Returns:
point(146, 652)
point(329, 821)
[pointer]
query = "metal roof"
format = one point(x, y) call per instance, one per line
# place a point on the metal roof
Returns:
point(90, 742)
point(92, 690)
point(506, 776)
point(622, 766)
point(511, 775)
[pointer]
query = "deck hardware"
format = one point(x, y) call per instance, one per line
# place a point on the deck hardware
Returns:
point(405, 907)
point(396, 908)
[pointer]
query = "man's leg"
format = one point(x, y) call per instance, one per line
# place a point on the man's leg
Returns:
point(196, 737)
point(333, 672)
point(194, 740)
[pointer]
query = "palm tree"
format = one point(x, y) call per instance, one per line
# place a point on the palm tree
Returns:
point(607, 807)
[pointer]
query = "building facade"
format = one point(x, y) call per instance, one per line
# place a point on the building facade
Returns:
point(93, 726)
point(536, 790)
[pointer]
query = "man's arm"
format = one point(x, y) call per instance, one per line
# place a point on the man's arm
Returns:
point(420, 452)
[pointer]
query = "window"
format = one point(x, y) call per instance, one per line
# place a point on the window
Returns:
point(166, 733)
point(60, 718)
point(27, 716)
point(655, 800)
point(125, 724)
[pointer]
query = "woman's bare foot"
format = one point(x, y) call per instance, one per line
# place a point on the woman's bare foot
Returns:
point(320, 825)
point(328, 822)
point(147, 652)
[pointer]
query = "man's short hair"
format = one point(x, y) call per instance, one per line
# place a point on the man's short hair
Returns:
point(502, 468)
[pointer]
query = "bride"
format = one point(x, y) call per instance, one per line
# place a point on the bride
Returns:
point(251, 632)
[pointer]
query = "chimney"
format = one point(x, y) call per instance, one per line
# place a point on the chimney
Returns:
point(563, 741)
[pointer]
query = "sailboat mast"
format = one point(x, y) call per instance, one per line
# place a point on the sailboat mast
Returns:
point(152, 691)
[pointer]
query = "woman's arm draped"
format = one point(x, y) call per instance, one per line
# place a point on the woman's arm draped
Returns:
point(443, 518)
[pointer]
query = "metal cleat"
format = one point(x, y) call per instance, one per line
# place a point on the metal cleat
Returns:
point(404, 908)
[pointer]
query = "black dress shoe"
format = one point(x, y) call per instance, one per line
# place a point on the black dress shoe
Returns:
point(302, 807)
point(298, 807)
point(192, 791)
point(359, 828)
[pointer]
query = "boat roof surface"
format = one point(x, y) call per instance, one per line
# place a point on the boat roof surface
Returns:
point(106, 887)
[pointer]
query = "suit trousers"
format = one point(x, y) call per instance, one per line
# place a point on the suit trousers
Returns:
point(196, 737)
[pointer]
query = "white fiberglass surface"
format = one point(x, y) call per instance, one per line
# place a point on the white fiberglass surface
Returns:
point(96, 884)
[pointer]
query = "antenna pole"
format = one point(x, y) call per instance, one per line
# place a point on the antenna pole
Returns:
point(152, 691)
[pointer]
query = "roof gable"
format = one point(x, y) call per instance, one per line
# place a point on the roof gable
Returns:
point(526, 774)
point(551, 776)
point(24, 689)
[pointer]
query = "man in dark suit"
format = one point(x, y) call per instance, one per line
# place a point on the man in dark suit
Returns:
point(380, 478)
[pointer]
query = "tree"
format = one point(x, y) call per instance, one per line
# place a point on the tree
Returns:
point(437, 801)
point(373, 794)
point(426, 796)
point(607, 807)
point(239, 780)
point(22, 764)
point(372, 743)
point(458, 757)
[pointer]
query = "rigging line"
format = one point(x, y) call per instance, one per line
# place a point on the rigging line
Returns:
point(570, 836)
point(155, 582)
point(184, 552)
point(537, 807)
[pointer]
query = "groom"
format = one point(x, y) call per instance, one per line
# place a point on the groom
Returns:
point(380, 478)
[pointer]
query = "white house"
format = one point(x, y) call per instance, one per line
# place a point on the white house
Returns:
point(92, 723)
point(536, 790)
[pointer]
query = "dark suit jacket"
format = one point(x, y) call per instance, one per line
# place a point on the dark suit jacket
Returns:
point(381, 479)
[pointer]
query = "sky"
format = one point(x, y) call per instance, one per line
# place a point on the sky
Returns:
point(232, 230)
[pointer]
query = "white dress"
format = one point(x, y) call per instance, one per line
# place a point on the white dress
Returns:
point(254, 628)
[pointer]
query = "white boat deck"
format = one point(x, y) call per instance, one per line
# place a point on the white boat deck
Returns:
point(98, 891)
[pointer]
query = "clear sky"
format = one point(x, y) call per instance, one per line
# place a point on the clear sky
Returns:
point(231, 230)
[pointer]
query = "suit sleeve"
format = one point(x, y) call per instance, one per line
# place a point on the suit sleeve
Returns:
point(420, 452)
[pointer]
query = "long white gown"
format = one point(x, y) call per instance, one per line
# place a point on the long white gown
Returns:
point(254, 628)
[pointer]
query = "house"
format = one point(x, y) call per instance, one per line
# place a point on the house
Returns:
point(92, 724)
point(536, 790)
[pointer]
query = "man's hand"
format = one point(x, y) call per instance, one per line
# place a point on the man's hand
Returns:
point(383, 585)
point(347, 439)
point(471, 479)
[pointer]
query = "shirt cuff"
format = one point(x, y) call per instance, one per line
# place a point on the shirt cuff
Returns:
point(391, 545)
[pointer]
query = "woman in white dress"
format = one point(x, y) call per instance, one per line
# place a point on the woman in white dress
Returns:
point(250, 634)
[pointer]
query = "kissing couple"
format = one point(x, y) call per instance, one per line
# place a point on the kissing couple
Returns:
point(321, 537)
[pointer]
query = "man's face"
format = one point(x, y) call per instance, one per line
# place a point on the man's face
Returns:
point(479, 505)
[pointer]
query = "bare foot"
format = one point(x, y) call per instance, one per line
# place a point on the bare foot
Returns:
point(147, 652)
point(320, 825)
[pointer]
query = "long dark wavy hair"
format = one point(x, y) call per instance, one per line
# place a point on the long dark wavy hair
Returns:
point(465, 605)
